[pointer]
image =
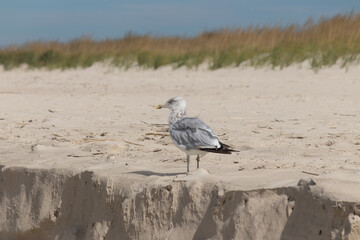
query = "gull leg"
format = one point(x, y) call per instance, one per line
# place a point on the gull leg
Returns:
point(188, 163)
point(198, 161)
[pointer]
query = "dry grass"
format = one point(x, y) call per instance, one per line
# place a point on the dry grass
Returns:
point(322, 43)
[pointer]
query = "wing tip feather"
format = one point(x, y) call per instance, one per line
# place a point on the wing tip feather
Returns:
point(223, 149)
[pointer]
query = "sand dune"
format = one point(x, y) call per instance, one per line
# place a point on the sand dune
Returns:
point(86, 155)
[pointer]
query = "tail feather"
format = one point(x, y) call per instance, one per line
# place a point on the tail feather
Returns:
point(223, 149)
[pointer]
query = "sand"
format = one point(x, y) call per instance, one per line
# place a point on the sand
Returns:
point(85, 154)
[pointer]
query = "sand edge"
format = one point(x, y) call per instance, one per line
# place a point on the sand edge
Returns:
point(63, 204)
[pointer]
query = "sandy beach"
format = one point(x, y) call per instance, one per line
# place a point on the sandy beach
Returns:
point(287, 124)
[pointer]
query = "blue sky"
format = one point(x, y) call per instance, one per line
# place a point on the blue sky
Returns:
point(63, 20)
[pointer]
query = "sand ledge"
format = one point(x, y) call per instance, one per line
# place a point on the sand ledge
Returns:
point(60, 204)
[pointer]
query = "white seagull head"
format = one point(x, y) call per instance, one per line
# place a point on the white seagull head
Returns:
point(174, 104)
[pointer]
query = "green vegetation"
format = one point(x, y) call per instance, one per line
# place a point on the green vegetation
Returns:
point(323, 43)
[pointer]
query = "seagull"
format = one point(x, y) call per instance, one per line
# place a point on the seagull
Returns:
point(190, 134)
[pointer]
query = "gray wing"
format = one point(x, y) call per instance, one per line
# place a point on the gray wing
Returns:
point(193, 133)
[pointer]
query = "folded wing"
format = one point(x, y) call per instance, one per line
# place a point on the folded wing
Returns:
point(193, 133)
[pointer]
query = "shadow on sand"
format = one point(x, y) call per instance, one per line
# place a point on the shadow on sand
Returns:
point(151, 173)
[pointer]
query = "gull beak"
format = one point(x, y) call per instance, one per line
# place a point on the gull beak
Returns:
point(159, 106)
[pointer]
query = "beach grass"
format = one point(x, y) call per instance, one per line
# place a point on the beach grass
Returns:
point(321, 43)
